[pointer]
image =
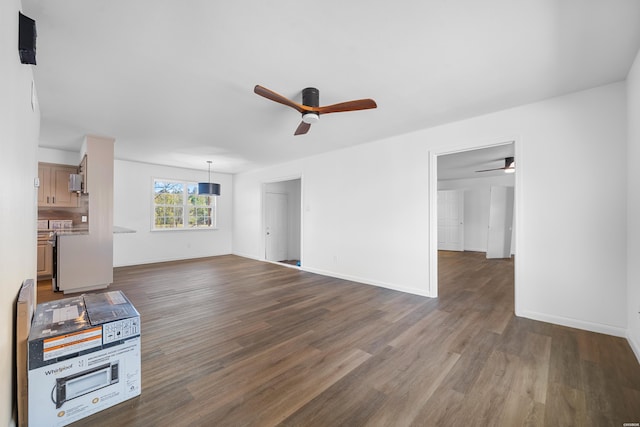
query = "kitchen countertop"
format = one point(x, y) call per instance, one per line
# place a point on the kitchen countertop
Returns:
point(73, 231)
point(80, 231)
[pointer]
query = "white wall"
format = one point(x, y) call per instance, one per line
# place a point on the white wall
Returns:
point(50, 155)
point(351, 227)
point(633, 210)
point(133, 206)
point(366, 208)
point(477, 195)
point(19, 129)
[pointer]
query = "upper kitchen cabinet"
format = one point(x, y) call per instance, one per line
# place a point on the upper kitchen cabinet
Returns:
point(54, 186)
point(82, 170)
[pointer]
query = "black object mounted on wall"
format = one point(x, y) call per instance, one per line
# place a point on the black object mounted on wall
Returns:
point(27, 39)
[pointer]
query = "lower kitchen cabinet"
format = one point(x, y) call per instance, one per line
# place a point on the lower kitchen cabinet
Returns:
point(45, 259)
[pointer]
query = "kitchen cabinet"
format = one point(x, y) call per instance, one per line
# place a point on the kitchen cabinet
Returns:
point(54, 186)
point(45, 258)
point(82, 170)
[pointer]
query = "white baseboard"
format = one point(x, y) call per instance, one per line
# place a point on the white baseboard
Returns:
point(255, 258)
point(575, 323)
point(635, 346)
point(414, 291)
point(240, 254)
point(170, 259)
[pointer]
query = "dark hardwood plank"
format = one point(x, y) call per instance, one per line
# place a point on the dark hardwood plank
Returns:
point(229, 341)
point(566, 406)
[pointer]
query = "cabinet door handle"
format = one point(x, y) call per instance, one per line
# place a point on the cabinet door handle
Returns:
point(47, 199)
point(53, 198)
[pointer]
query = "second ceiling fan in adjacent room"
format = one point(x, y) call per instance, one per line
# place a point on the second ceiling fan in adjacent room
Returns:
point(509, 166)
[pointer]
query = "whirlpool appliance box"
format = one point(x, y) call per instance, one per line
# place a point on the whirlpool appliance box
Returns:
point(84, 356)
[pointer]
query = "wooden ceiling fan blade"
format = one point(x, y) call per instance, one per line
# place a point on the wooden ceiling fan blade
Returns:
point(276, 97)
point(359, 104)
point(489, 170)
point(302, 128)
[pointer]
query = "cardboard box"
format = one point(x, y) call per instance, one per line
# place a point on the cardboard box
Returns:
point(84, 356)
point(24, 313)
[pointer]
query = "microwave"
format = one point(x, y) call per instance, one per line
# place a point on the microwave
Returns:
point(81, 383)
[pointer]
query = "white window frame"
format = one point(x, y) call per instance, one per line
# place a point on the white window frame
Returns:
point(185, 206)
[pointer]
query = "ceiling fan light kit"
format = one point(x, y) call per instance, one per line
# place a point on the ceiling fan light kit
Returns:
point(512, 166)
point(310, 118)
point(509, 165)
point(310, 107)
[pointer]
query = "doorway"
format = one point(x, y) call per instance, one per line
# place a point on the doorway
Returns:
point(282, 222)
point(472, 170)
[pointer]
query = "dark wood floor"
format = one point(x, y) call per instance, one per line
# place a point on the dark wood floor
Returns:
point(228, 341)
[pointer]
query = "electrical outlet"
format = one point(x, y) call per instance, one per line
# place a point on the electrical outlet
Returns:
point(84, 218)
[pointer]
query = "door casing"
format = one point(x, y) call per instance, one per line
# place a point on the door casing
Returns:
point(433, 206)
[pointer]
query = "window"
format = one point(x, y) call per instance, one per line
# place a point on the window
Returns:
point(177, 206)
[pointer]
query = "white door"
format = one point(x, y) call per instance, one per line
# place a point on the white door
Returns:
point(451, 220)
point(276, 227)
point(500, 222)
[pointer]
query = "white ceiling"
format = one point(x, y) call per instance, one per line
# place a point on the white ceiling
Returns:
point(173, 81)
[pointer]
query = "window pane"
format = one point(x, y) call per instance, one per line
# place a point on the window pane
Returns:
point(168, 187)
point(199, 200)
point(178, 217)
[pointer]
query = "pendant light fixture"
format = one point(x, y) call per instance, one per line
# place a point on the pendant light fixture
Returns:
point(209, 188)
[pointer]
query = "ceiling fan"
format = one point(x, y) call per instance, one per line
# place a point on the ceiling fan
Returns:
point(509, 166)
point(310, 107)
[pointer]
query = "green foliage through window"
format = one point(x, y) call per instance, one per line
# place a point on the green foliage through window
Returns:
point(177, 205)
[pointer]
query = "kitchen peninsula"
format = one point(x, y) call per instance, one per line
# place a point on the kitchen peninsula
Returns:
point(84, 259)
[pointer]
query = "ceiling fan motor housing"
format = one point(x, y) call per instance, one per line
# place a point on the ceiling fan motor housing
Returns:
point(311, 97)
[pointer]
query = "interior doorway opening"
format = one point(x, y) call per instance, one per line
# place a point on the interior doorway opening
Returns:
point(282, 229)
point(473, 175)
